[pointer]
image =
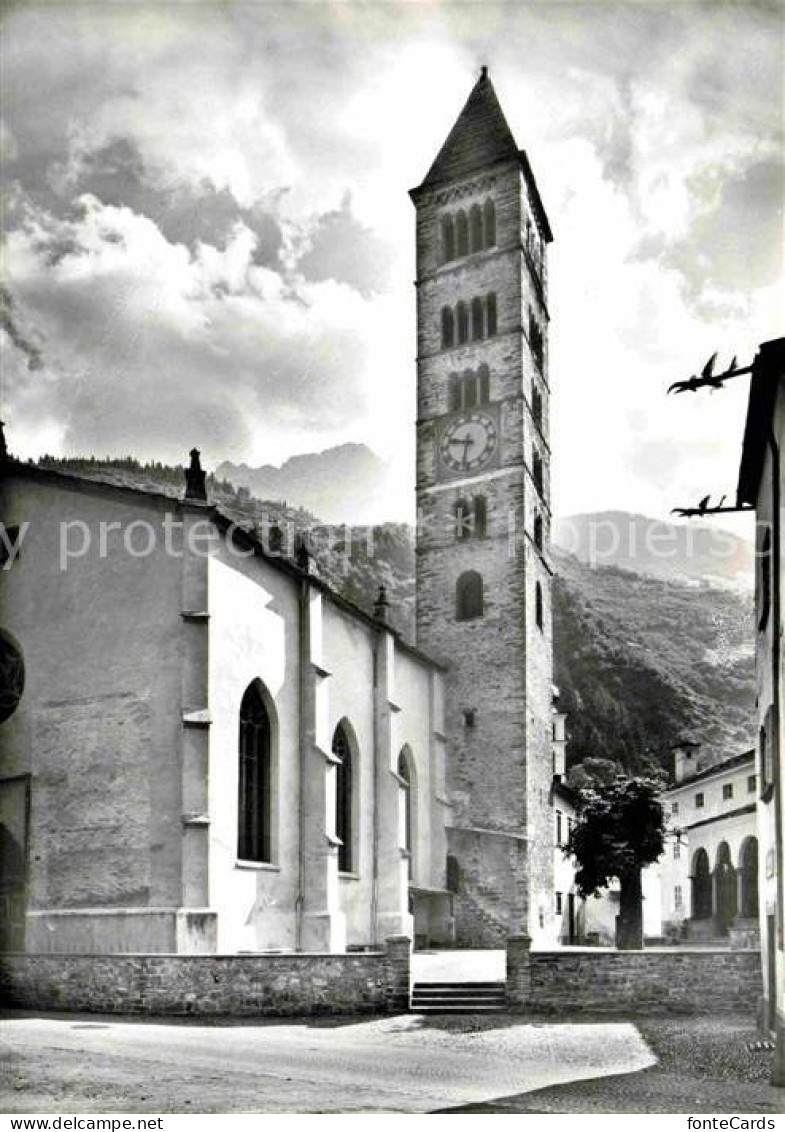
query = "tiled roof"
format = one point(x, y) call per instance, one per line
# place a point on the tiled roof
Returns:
point(732, 763)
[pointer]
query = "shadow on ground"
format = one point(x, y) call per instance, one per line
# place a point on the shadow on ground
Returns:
point(704, 1065)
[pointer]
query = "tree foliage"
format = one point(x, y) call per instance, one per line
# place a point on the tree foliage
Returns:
point(618, 831)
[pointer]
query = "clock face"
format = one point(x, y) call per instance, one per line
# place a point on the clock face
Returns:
point(468, 442)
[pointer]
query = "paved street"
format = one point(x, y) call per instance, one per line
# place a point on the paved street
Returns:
point(409, 1063)
point(80, 1063)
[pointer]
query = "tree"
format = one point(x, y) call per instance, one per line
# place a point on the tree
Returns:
point(616, 833)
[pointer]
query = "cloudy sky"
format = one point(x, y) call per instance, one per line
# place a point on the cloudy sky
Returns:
point(209, 239)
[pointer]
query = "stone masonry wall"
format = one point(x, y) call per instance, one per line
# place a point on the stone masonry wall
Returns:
point(647, 982)
point(204, 985)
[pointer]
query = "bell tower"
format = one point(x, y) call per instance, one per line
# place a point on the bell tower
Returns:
point(483, 502)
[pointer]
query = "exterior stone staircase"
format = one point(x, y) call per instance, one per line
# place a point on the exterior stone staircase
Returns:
point(458, 998)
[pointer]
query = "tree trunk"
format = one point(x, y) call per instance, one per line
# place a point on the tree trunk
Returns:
point(629, 922)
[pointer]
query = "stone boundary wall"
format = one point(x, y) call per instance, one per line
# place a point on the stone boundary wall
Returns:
point(703, 981)
point(211, 985)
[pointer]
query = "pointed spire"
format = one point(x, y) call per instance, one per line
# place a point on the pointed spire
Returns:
point(3, 448)
point(479, 137)
point(195, 477)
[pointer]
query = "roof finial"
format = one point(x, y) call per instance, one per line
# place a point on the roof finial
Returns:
point(483, 72)
point(195, 478)
point(381, 607)
point(302, 554)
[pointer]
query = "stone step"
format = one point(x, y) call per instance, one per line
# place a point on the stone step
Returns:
point(495, 986)
point(458, 998)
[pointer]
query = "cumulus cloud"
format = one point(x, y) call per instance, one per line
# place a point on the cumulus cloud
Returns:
point(154, 345)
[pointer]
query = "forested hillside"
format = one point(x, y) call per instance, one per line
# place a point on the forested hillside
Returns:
point(639, 661)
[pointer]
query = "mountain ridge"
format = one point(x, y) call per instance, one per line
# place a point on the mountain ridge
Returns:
point(640, 660)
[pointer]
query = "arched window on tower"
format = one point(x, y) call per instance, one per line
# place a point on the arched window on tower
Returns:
point(255, 812)
point(462, 234)
point(477, 319)
point(476, 228)
point(468, 596)
point(537, 471)
point(342, 753)
point(539, 613)
point(455, 392)
point(537, 407)
point(448, 239)
point(469, 399)
point(538, 531)
point(490, 223)
point(490, 316)
point(480, 516)
point(463, 520)
point(448, 328)
point(484, 378)
point(463, 323)
point(535, 339)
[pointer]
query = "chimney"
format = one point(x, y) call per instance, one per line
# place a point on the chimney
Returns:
point(195, 491)
point(684, 758)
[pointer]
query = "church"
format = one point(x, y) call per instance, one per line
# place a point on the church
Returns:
point(205, 749)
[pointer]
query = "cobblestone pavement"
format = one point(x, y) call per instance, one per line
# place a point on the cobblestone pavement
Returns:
point(704, 1065)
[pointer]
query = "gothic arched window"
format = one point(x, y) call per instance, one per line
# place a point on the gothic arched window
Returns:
point(254, 826)
point(448, 328)
point(490, 316)
point(490, 223)
point(477, 319)
point(342, 753)
point(476, 228)
point(468, 596)
point(462, 234)
point(448, 239)
point(408, 801)
point(463, 323)
point(538, 531)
